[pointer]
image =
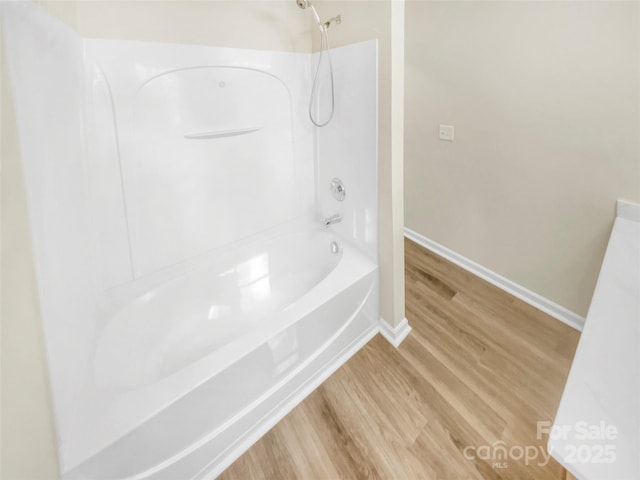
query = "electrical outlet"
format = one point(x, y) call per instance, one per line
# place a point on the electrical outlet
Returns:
point(446, 133)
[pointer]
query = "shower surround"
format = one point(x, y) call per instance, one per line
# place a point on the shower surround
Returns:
point(190, 292)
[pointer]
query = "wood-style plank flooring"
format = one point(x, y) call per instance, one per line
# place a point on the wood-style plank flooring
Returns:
point(479, 367)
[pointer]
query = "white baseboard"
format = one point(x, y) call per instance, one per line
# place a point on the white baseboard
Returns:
point(547, 306)
point(396, 335)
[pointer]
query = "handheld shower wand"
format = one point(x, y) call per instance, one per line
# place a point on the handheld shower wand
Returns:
point(324, 39)
point(303, 4)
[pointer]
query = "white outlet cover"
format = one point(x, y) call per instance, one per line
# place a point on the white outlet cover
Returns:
point(446, 133)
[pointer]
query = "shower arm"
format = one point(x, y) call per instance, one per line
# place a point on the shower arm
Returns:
point(337, 20)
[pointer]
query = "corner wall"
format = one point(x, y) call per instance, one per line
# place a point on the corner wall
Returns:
point(544, 98)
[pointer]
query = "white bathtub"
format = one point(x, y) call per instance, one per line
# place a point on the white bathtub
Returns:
point(201, 365)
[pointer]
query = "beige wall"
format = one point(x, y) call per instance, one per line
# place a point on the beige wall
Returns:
point(28, 449)
point(365, 20)
point(259, 24)
point(544, 97)
point(65, 10)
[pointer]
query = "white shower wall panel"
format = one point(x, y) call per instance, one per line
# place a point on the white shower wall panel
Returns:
point(348, 145)
point(347, 148)
point(211, 147)
point(45, 66)
point(114, 262)
point(200, 184)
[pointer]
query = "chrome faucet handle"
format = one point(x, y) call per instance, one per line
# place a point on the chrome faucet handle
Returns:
point(336, 218)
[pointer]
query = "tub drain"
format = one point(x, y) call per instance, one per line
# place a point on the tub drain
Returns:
point(334, 247)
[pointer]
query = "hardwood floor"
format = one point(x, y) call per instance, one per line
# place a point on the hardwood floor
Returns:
point(479, 367)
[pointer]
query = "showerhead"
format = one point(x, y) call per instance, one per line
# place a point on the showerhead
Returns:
point(303, 4)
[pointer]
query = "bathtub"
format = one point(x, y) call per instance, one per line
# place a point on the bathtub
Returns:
point(194, 366)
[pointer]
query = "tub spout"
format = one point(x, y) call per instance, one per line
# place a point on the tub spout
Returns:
point(332, 219)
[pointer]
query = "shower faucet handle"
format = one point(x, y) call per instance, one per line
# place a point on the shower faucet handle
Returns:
point(337, 189)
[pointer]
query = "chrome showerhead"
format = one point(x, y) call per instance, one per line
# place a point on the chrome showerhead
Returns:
point(303, 4)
